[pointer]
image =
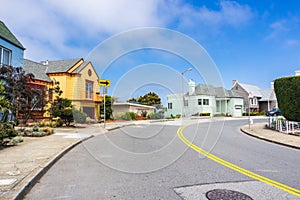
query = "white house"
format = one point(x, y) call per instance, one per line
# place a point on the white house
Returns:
point(119, 108)
point(202, 99)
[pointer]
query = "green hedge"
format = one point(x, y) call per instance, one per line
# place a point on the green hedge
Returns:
point(287, 91)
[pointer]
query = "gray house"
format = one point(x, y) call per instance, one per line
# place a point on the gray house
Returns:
point(206, 99)
point(259, 99)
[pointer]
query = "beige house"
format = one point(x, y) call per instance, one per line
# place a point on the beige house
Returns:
point(119, 108)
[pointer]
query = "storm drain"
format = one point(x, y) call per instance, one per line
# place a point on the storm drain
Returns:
point(223, 194)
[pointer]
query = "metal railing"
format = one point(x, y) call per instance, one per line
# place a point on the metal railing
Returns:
point(284, 126)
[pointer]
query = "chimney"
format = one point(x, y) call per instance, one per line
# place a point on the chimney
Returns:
point(272, 85)
point(234, 82)
point(45, 62)
point(192, 86)
point(297, 73)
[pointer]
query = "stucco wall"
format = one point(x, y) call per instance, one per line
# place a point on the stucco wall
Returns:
point(192, 108)
point(123, 108)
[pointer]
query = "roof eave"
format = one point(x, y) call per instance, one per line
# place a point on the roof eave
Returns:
point(17, 45)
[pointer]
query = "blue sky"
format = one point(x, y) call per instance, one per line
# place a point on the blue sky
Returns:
point(254, 42)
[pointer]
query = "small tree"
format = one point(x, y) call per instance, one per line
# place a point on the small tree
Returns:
point(132, 100)
point(61, 107)
point(22, 97)
point(108, 109)
point(150, 99)
point(6, 127)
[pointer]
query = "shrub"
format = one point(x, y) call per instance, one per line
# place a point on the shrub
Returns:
point(251, 114)
point(79, 117)
point(16, 140)
point(155, 116)
point(7, 132)
point(144, 113)
point(287, 93)
point(35, 128)
point(204, 114)
point(47, 130)
point(126, 116)
point(220, 115)
point(132, 115)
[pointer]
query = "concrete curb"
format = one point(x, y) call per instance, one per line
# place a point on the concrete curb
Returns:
point(117, 127)
point(268, 140)
point(38, 175)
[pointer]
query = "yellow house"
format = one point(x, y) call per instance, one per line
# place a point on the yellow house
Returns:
point(77, 79)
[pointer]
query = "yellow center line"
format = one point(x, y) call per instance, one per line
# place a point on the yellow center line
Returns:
point(234, 167)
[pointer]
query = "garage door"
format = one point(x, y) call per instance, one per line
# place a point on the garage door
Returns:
point(89, 111)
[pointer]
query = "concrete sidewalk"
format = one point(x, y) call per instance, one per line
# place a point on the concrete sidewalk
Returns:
point(22, 166)
point(262, 132)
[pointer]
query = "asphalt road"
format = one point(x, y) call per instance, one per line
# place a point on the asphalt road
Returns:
point(150, 162)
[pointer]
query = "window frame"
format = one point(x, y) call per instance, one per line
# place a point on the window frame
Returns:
point(205, 102)
point(89, 89)
point(2, 50)
point(200, 102)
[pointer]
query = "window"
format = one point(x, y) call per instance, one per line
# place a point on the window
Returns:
point(170, 105)
point(206, 102)
point(5, 56)
point(253, 101)
point(186, 103)
point(89, 89)
point(200, 102)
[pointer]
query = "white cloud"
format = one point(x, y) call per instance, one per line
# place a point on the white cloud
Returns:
point(278, 28)
point(291, 42)
point(109, 16)
point(230, 13)
point(61, 29)
point(55, 29)
point(285, 31)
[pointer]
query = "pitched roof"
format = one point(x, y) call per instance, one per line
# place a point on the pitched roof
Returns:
point(219, 92)
point(37, 69)
point(251, 88)
point(78, 69)
point(7, 35)
point(61, 65)
point(267, 95)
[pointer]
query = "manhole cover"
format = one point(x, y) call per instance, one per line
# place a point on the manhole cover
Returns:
point(222, 194)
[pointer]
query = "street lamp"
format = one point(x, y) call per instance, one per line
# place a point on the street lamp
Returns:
point(249, 97)
point(182, 81)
